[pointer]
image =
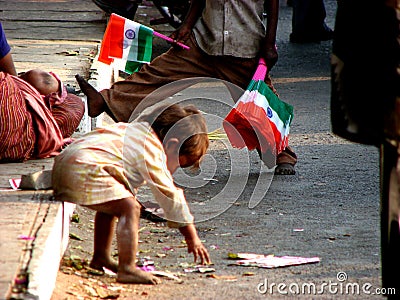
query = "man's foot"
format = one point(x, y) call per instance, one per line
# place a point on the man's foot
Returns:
point(137, 276)
point(99, 264)
point(285, 169)
point(95, 101)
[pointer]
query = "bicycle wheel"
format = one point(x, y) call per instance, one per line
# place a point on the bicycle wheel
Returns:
point(174, 12)
point(126, 9)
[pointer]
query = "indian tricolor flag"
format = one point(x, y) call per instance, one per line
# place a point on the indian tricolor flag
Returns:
point(259, 120)
point(126, 43)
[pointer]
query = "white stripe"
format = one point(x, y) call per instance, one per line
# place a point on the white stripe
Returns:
point(128, 43)
point(119, 64)
point(261, 101)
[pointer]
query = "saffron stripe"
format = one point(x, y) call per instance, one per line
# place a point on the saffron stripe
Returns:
point(116, 37)
point(105, 47)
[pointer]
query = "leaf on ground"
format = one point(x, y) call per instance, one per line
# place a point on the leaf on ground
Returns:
point(168, 275)
point(222, 277)
point(106, 293)
point(69, 53)
point(75, 236)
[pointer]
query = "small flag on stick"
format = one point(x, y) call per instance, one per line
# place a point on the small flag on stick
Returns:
point(259, 120)
point(129, 44)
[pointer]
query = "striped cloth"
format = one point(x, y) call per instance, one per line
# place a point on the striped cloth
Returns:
point(68, 114)
point(28, 128)
point(67, 109)
point(17, 135)
point(111, 163)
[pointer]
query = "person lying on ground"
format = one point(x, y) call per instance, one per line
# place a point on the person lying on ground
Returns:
point(103, 169)
point(35, 124)
point(214, 30)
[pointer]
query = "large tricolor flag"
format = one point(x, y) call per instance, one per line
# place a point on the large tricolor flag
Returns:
point(126, 43)
point(259, 120)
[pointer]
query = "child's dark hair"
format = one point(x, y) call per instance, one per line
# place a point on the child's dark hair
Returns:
point(184, 123)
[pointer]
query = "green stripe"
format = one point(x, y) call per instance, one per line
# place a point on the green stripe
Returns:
point(132, 66)
point(283, 109)
point(145, 44)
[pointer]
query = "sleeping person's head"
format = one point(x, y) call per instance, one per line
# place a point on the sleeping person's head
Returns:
point(44, 82)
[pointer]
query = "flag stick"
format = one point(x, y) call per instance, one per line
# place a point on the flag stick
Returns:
point(168, 39)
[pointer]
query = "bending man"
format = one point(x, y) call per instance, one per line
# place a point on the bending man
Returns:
point(214, 30)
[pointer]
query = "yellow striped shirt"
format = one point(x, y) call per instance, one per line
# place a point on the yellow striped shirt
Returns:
point(111, 163)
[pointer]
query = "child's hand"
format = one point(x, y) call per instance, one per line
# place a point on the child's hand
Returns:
point(199, 251)
point(194, 244)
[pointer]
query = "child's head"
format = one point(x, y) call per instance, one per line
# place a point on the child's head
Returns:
point(183, 126)
point(42, 81)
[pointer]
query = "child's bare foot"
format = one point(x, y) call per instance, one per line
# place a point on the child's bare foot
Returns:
point(98, 264)
point(137, 276)
point(96, 104)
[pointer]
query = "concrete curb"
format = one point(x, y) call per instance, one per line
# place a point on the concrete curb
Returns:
point(39, 261)
point(49, 247)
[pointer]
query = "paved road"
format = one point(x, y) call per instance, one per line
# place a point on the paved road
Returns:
point(329, 209)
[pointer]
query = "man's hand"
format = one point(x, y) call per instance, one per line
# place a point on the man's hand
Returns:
point(182, 34)
point(270, 54)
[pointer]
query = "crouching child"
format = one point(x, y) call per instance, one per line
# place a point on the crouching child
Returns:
point(103, 169)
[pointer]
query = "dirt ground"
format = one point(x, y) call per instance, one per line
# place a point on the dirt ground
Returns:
point(166, 248)
point(310, 214)
point(157, 243)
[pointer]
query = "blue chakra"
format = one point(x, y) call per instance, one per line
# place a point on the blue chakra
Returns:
point(130, 34)
point(269, 112)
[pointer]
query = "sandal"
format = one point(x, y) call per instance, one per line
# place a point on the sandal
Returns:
point(285, 169)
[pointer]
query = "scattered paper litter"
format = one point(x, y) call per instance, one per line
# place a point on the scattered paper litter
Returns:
point(245, 255)
point(271, 261)
point(145, 264)
point(26, 237)
point(14, 183)
point(167, 274)
point(109, 272)
point(199, 269)
point(148, 268)
point(210, 179)
point(218, 134)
